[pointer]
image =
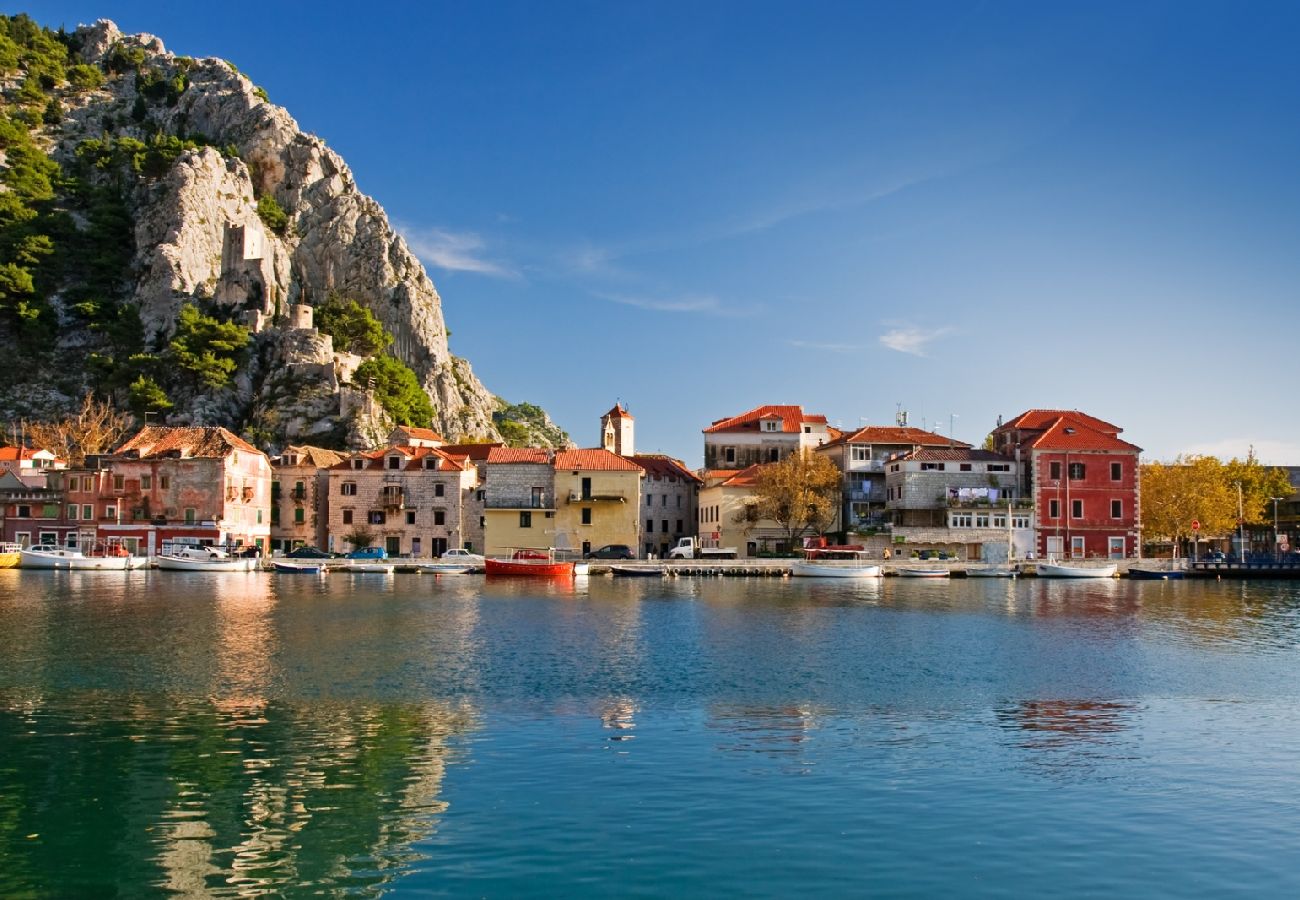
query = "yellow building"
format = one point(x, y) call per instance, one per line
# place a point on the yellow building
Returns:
point(598, 500)
point(724, 499)
point(518, 500)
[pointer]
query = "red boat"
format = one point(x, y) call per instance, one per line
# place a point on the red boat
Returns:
point(534, 563)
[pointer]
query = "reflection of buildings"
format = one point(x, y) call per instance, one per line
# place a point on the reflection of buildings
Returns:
point(1069, 736)
point(619, 714)
point(767, 730)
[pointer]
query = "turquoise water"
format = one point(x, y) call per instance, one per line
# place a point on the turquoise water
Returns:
point(232, 735)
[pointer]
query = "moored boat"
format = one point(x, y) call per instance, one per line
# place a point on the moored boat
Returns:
point(445, 568)
point(637, 571)
point(533, 563)
point(205, 559)
point(50, 556)
point(299, 568)
point(922, 573)
point(993, 572)
point(1156, 574)
point(1060, 570)
point(806, 568)
point(367, 568)
point(10, 556)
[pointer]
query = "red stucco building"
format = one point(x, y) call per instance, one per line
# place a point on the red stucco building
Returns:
point(1084, 481)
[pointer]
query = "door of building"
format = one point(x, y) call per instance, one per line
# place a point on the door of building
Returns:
point(1115, 547)
point(393, 545)
point(1077, 547)
point(439, 546)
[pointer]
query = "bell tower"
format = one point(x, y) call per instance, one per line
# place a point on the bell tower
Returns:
point(616, 431)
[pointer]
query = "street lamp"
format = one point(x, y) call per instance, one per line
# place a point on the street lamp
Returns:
point(1277, 538)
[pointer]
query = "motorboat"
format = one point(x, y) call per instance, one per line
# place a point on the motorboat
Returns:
point(10, 555)
point(442, 567)
point(807, 568)
point(1060, 570)
point(637, 571)
point(205, 559)
point(51, 556)
point(533, 563)
point(290, 567)
point(909, 572)
point(1156, 574)
point(361, 567)
point(993, 572)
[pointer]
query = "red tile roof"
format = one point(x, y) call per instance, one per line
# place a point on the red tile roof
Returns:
point(595, 460)
point(421, 434)
point(518, 455)
point(955, 454)
point(1070, 434)
point(414, 459)
point(1042, 419)
point(792, 420)
point(13, 454)
point(745, 477)
point(476, 452)
point(317, 457)
point(618, 412)
point(890, 434)
point(198, 441)
point(663, 466)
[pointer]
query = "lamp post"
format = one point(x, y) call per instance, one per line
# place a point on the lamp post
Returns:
point(1277, 538)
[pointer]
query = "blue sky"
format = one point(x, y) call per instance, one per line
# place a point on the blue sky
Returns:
point(969, 209)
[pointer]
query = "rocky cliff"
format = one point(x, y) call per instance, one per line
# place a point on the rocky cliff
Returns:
point(225, 205)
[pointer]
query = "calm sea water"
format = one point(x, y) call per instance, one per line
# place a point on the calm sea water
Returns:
point(231, 735)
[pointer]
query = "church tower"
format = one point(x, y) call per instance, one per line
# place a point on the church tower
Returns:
point(616, 431)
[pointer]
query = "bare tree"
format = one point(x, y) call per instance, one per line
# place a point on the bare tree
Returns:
point(94, 428)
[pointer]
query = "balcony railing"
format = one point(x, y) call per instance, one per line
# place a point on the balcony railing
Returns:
point(299, 494)
point(994, 505)
point(518, 503)
point(393, 499)
point(594, 497)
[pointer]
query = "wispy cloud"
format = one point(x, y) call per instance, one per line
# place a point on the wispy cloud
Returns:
point(455, 251)
point(910, 339)
point(686, 303)
point(1269, 452)
point(827, 348)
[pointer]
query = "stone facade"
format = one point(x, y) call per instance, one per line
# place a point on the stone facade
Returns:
point(669, 506)
point(519, 500)
point(617, 431)
point(300, 497)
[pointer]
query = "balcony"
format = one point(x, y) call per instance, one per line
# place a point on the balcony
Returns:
point(248, 494)
point(602, 497)
point(298, 494)
point(984, 503)
point(865, 496)
point(393, 498)
point(520, 503)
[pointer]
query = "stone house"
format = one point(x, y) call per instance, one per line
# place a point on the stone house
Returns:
point(168, 486)
point(598, 497)
point(669, 502)
point(300, 497)
point(411, 436)
point(862, 457)
point(1083, 478)
point(519, 504)
point(724, 500)
point(762, 435)
point(412, 501)
point(32, 512)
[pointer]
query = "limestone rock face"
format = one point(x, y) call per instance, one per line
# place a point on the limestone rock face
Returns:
point(200, 238)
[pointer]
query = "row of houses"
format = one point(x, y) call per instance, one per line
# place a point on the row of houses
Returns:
point(1048, 482)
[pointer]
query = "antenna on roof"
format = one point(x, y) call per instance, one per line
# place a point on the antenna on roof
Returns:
point(900, 415)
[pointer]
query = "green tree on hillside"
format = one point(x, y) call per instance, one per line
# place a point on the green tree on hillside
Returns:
point(353, 327)
point(397, 390)
point(207, 349)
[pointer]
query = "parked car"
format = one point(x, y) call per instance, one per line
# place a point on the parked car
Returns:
point(308, 553)
point(459, 555)
point(611, 551)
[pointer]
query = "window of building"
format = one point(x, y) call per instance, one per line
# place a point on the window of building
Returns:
point(259, 516)
point(774, 455)
point(87, 483)
point(146, 482)
point(87, 512)
point(1053, 509)
point(358, 463)
point(480, 495)
point(439, 517)
point(439, 489)
point(275, 515)
point(1054, 470)
point(679, 526)
point(729, 454)
point(347, 517)
point(482, 521)
point(1020, 521)
point(649, 526)
point(410, 517)
point(964, 467)
point(961, 520)
point(999, 521)
point(394, 462)
point(72, 510)
point(771, 425)
point(1076, 509)
point(1077, 471)
point(164, 481)
point(275, 490)
point(1117, 509)
point(861, 454)
point(982, 520)
point(431, 462)
point(375, 517)
point(931, 467)
point(348, 489)
point(999, 467)
point(679, 501)
point(119, 482)
point(190, 515)
point(525, 519)
point(586, 515)
point(1116, 471)
point(663, 526)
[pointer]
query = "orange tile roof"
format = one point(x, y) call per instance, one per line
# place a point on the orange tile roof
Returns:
point(422, 434)
point(955, 454)
point(594, 460)
point(1042, 419)
point(890, 434)
point(747, 477)
point(792, 420)
point(13, 454)
point(198, 441)
point(618, 412)
point(1070, 434)
point(476, 452)
point(414, 456)
point(661, 465)
point(318, 457)
point(518, 455)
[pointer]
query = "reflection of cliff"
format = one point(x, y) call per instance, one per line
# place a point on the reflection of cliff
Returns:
point(240, 796)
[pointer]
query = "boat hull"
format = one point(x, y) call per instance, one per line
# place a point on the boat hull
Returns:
point(73, 561)
point(638, 571)
point(1053, 570)
point(173, 564)
point(446, 568)
point(806, 569)
point(367, 568)
point(534, 568)
point(993, 572)
point(923, 573)
point(299, 568)
point(1155, 575)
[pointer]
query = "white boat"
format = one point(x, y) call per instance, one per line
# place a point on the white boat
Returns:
point(50, 556)
point(922, 573)
point(809, 569)
point(1058, 570)
point(358, 567)
point(316, 567)
point(993, 572)
point(446, 568)
point(205, 559)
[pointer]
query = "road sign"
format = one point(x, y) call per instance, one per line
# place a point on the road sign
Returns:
point(1196, 524)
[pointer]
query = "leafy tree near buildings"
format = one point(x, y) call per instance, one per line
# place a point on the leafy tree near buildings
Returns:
point(207, 349)
point(801, 494)
point(1258, 484)
point(397, 390)
point(353, 327)
point(1189, 489)
point(360, 538)
point(146, 396)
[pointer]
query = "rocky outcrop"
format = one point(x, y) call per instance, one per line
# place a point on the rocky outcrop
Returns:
point(201, 239)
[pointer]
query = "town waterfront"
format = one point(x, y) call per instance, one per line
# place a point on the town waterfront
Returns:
point(234, 734)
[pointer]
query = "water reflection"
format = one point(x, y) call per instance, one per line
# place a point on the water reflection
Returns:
point(1072, 738)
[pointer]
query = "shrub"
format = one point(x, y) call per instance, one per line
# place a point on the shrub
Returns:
point(353, 326)
point(272, 214)
point(208, 350)
point(397, 390)
point(85, 78)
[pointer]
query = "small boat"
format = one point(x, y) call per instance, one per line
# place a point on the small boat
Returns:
point(581, 568)
point(993, 572)
point(806, 568)
point(638, 571)
point(367, 568)
point(205, 559)
point(445, 568)
point(1156, 574)
point(51, 556)
point(10, 555)
point(534, 563)
point(1059, 570)
point(299, 568)
point(923, 573)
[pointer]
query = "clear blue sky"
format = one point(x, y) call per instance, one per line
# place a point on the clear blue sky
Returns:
point(696, 208)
